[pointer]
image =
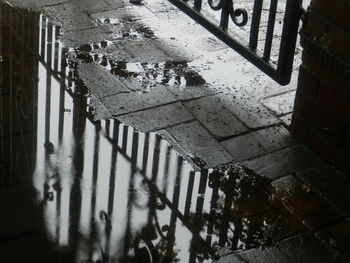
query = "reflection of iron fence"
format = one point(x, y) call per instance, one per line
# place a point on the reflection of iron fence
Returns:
point(228, 23)
point(100, 177)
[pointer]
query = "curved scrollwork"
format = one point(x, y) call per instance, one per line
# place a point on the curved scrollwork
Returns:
point(239, 16)
point(235, 14)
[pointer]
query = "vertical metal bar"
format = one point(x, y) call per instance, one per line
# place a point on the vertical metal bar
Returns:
point(108, 125)
point(254, 28)
point(225, 13)
point(94, 182)
point(270, 29)
point(62, 100)
point(145, 153)
point(48, 92)
point(56, 52)
point(125, 138)
point(175, 204)
point(197, 5)
point(43, 37)
point(289, 35)
point(189, 194)
point(225, 219)
point(166, 170)
point(212, 215)
point(79, 124)
point(156, 152)
point(112, 183)
point(131, 196)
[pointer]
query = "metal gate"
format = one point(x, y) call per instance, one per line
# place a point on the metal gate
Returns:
point(276, 21)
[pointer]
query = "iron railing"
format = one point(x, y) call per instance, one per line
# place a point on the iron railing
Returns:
point(222, 19)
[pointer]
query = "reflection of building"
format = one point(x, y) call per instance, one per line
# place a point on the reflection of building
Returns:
point(18, 93)
point(19, 237)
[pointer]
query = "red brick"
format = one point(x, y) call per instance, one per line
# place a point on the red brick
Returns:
point(322, 6)
point(324, 72)
point(337, 11)
point(341, 13)
point(332, 128)
point(335, 100)
point(339, 43)
point(316, 27)
point(308, 82)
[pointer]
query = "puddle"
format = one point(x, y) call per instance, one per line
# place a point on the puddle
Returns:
point(171, 73)
point(104, 191)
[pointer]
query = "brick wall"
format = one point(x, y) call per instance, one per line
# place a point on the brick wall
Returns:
point(322, 106)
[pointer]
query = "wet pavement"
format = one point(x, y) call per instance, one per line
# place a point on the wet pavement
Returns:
point(80, 186)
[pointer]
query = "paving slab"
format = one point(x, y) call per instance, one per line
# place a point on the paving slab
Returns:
point(69, 17)
point(100, 82)
point(281, 224)
point(257, 143)
point(283, 162)
point(123, 11)
point(199, 143)
point(264, 255)
point(306, 248)
point(281, 104)
point(90, 35)
point(337, 237)
point(157, 118)
point(136, 100)
point(35, 4)
point(311, 208)
point(247, 109)
point(215, 117)
point(332, 184)
point(144, 51)
point(287, 119)
point(190, 92)
point(91, 6)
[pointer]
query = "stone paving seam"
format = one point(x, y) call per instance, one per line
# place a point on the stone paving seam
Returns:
point(143, 109)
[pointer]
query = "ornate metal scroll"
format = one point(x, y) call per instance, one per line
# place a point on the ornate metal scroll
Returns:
point(249, 49)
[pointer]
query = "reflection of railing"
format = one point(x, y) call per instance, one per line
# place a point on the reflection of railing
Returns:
point(216, 17)
point(110, 191)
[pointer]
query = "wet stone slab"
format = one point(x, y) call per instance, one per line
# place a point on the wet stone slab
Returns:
point(330, 183)
point(144, 51)
point(100, 82)
point(258, 143)
point(218, 120)
point(281, 104)
point(283, 162)
point(199, 143)
point(157, 118)
point(311, 208)
point(338, 238)
point(309, 250)
point(69, 17)
point(136, 101)
point(247, 109)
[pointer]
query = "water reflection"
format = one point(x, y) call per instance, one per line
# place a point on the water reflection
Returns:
point(107, 192)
